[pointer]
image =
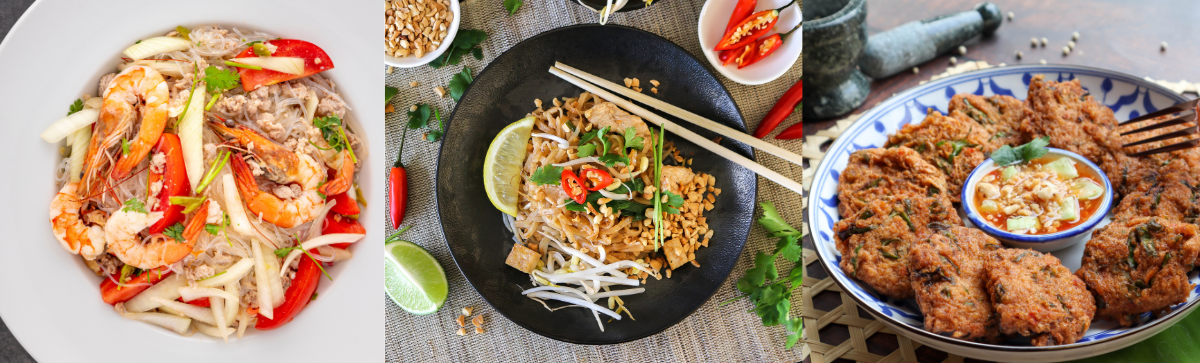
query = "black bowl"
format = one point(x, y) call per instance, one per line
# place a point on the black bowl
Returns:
point(504, 92)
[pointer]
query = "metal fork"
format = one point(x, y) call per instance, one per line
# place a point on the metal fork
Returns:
point(1187, 114)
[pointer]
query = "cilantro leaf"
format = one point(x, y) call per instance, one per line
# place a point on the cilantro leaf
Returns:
point(175, 232)
point(388, 93)
point(632, 140)
point(586, 150)
point(465, 42)
point(613, 159)
point(218, 80)
point(588, 136)
point(674, 201)
point(418, 118)
point(603, 135)
point(331, 129)
point(433, 135)
point(1007, 155)
point(548, 174)
point(75, 107)
point(764, 270)
point(213, 229)
point(512, 6)
point(789, 248)
point(134, 205)
point(459, 83)
point(774, 223)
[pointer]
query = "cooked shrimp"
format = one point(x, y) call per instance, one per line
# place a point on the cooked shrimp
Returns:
point(135, 86)
point(279, 165)
point(284, 213)
point(343, 176)
point(158, 250)
point(70, 230)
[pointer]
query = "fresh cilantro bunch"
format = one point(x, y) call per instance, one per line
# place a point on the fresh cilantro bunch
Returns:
point(466, 41)
point(1007, 155)
point(771, 294)
point(419, 118)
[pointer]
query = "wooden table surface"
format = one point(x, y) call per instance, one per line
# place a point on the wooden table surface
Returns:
point(1121, 35)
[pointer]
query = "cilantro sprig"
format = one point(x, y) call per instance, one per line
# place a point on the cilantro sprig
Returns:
point(418, 118)
point(1007, 155)
point(770, 293)
point(465, 42)
point(548, 174)
point(175, 232)
point(459, 82)
point(75, 107)
point(134, 205)
point(335, 134)
point(217, 81)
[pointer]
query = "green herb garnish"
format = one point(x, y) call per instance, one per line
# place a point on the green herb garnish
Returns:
point(134, 205)
point(459, 82)
point(1007, 155)
point(771, 294)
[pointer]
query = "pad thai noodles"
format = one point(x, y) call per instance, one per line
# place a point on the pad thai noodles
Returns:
point(210, 179)
point(593, 196)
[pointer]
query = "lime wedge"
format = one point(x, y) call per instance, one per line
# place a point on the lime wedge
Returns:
point(413, 278)
point(502, 165)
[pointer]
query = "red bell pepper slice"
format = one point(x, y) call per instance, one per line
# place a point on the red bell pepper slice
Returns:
point(112, 293)
point(315, 61)
point(750, 29)
point(782, 109)
point(596, 178)
point(174, 182)
point(335, 223)
point(297, 296)
point(578, 191)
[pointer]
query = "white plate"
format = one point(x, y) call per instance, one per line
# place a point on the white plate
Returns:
point(1128, 96)
point(409, 62)
point(57, 51)
point(714, 16)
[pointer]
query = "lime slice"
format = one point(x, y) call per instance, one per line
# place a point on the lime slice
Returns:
point(502, 166)
point(413, 278)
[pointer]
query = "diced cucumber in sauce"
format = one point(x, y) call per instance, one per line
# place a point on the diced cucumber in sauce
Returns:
point(1087, 189)
point(1070, 209)
point(1008, 172)
point(989, 206)
point(1022, 223)
point(1064, 167)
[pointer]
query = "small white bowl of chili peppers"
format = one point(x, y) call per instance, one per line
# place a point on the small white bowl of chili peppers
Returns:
point(750, 41)
point(1046, 200)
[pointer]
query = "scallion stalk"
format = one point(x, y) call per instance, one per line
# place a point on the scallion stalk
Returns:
point(212, 173)
point(242, 65)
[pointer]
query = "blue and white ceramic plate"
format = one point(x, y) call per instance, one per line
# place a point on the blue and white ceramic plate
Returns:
point(1126, 95)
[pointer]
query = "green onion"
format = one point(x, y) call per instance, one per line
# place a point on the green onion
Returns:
point(212, 173)
point(261, 50)
point(195, 72)
point(211, 102)
point(342, 130)
point(242, 65)
point(189, 203)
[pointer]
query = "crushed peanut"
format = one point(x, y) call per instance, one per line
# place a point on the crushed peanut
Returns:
point(461, 331)
point(477, 321)
point(467, 311)
point(414, 84)
point(415, 27)
point(461, 321)
point(441, 92)
point(654, 82)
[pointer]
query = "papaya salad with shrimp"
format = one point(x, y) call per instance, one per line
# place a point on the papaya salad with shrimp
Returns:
point(210, 180)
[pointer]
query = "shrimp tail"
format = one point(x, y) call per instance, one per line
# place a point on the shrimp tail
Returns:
point(342, 179)
point(192, 231)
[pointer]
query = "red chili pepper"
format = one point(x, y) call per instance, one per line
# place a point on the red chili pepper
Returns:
point(335, 223)
point(736, 55)
point(792, 132)
point(297, 296)
point(740, 12)
point(398, 182)
point(174, 182)
point(765, 47)
point(112, 293)
point(750, 29)
point(577, 192)
point(782, 109)
point(599, 179)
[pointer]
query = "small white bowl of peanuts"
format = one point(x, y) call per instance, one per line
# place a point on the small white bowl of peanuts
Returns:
point(418, 31)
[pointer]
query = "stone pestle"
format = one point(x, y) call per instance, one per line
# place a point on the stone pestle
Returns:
point(914, 43)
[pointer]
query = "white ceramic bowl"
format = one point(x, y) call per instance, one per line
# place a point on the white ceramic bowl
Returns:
point(714, 16)
point(409, 62)
point(1049, 242)
point(51, 301)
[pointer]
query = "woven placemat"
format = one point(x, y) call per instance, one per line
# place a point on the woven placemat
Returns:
point(711, 334)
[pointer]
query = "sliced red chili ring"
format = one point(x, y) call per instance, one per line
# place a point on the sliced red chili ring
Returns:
point(577, 192)
point(599, 179)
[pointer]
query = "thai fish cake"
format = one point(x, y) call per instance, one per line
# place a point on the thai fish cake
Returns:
point(1036, 296)
point(1139, 265)
point(1070, 117)
point(875, 242)
point(954, 145)
point(949, 279)
point(999, 115)
point(872, 174)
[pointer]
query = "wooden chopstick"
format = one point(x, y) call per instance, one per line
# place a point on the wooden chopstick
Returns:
point(679, 130)
point(686, 115)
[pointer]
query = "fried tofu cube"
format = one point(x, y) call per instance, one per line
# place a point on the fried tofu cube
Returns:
point(523, 258)
point(676, 255)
